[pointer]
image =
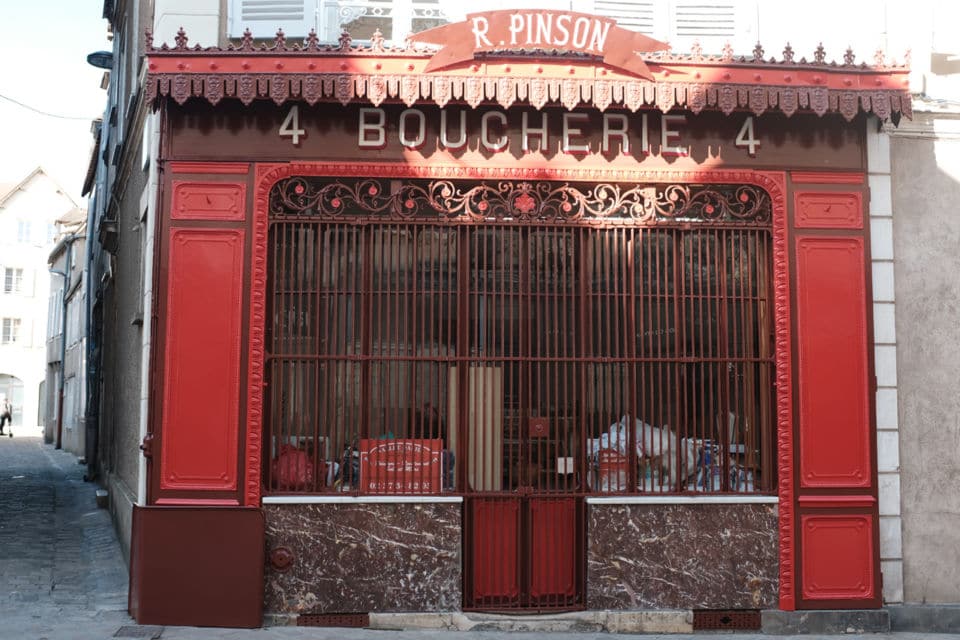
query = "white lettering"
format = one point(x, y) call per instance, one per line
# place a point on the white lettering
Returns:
point(747, 138)
point(526, 130)
point(570, 131)
point(480, 27)
point(563, 25)
point(581, 31)
point(377, 127)
point(417, 141)
point(516, 26)
point(599, 38)
point(445, 141)
point(291, 126)
point(544, 28)
point(667, 134)
point(620, 132)
point(501, 143)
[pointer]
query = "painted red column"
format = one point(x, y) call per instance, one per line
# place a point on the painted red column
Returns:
point(199, 428)
point(837, 531)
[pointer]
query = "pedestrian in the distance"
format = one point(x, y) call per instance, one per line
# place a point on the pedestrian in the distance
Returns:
point(6, 417)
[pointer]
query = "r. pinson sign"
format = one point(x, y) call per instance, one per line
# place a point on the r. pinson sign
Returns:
point(518, 30)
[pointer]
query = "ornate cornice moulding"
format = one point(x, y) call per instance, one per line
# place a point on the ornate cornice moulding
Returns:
point(375, 74)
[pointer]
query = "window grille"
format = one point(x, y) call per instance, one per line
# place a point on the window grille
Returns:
point(519, 337)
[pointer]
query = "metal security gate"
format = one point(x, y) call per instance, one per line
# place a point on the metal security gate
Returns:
point(541, 341)
point(524, 524)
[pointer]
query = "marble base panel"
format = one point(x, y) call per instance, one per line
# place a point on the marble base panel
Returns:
point(702, 556)
point(357, 558)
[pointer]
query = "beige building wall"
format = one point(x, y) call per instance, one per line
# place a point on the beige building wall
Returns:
point(925, 165)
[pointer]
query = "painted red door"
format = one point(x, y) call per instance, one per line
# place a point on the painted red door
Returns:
point(837, 514)
point(522, 552)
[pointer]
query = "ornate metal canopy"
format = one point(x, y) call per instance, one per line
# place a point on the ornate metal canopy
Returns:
point(345, 72)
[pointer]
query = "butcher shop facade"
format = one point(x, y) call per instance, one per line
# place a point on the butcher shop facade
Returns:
point(483, 328)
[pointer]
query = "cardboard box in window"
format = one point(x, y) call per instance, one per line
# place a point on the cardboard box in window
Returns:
point(613, 467)
point(402, 466)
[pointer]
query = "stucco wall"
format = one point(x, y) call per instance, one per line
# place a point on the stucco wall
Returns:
point(925, 156)
point(121, 389)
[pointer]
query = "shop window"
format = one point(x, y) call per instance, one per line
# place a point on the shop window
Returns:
point(540, 350)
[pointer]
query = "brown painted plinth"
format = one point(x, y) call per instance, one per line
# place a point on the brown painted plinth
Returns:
point(682, 556)
point(363, 557)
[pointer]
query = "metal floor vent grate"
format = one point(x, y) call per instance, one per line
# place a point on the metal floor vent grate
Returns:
point(360, 620)
point(731, 619)
point(152, 632)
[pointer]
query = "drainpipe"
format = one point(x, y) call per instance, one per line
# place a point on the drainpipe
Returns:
point(63, 337)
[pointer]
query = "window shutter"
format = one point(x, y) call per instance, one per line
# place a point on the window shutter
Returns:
point(637, 15)
point(264, 17)
point(713, 23)
point(704, 19)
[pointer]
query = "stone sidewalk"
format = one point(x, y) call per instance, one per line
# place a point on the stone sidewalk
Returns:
point(62, 576)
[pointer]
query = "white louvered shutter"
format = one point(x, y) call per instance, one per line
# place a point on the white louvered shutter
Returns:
point(646, 16)
point(713, 23)
point(264, 17)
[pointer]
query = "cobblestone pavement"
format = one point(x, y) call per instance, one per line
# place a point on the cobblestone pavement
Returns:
point(60, 564)
point(62, 576)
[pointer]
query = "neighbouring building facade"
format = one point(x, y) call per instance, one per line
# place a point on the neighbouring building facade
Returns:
point(65, 383)
point(29, 215)
point(527, 314)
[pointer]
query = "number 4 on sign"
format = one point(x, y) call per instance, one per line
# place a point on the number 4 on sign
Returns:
point(747, 138)
point(291, 125)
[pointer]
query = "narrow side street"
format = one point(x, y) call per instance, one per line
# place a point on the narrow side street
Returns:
point(61, 571)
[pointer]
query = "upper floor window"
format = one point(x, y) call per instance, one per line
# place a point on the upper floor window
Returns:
point(51, 233)
point(12, 280)
point(11, 331)
point(711, 23)
point(24, 231)
point(396, 19)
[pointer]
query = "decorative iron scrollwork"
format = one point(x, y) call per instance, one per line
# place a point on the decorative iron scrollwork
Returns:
point(506, 200)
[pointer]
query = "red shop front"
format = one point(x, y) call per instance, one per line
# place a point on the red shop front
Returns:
point(476, 330)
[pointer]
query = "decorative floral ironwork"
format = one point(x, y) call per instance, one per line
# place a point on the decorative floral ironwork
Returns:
point(507, 200)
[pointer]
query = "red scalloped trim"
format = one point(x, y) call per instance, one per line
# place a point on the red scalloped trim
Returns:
point(258, 289)
point(784, 368)
point(817, 91)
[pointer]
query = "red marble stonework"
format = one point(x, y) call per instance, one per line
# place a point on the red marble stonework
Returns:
point(348, 558)
point(700, 556)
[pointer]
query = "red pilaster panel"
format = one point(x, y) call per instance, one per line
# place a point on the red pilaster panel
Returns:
point(834, 407)
point(208, 200)
point(200, 426)
point(838, 559)
point(828, 210)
